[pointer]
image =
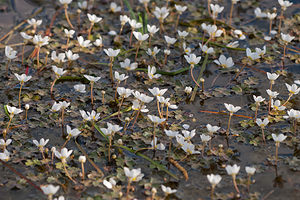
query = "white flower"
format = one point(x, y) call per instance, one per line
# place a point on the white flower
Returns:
point(83, 43)
point(60, 198)
point(212, 129)
point(272, 76)
point(152, 29)
point(186, 126)
point(58, 58)
point(239, 34)
point(284, 4)
point(111, 53)
point(109, 184)
point(159, 146)
point(188, 90)
point(180, 9)
point(72, 132)
point(293, 89)
point(128, 65)
point(121, 77)
point(214, 179)
point(64, 2)
point(186, 50)
point(41, 144)
point(10, 53)
point(89, 115)
point(142, 97)
point(98, 42)
point(189, 148)
point(205, 49)
point(157, 92)
point(262, 51)
point(258, 99)
point(250, 170)
point(22, 78)
point(69, 33)
point(182, 34)
point(93, 18)
point(171, 133)
point(114, 7)
point(134, 24)
point(271, 16)
point(92, 78)
point(167, 51)
point(56, 107)
point(63, 154)
point(84, 5)
point(136, 105)
point(277, 105)
point(25, 36)
point(223, 62)
point(152, 71)
point(155, 119)
point(259, 14)
point(58, 71)
point(168, 190)
point(140, 37)
point(71, 56)
point(279, 138)
point(124, 19)
point(134, 174)
point(231, 108)
point(188, 135)
point(192, 59)
point(216, 9)
point(82, 159)
point(252, 55)
point(4, 143)
point(49, 189)
point(5, 156)
point(124, 92)
point(13, 110)
point(292, 114)
point(234, 44)
point(272, 94)
point(262, 123)
point(153, 52)
point(34, 22)
point(205, 138)
point(232, 170)
point(170, 40)
point(40, 41)
point(161, 13)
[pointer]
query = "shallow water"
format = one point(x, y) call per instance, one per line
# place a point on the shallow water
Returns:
point(270, 183)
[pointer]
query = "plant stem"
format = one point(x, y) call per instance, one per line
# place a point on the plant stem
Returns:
point(130, 40)
point(234, 183)
point(212, 192)
point(263, 134)
point(228, 125)
point(290, 95)
point(92, 97)
point(158, 108)
point(119, 110)
point(149, 43)
point(248, 183)
point(90, 30)
point(128, 188)
point(67, 173)
point(21, 85)
point(280, 20)
point(121, 29)
point(256, 111)
point(7, 128)
point(68, 139)
point(270, 28)
point(7, 64)
point(137, 51)
point(276, 152)
point(230, 15)
point(38, 57)
point(154, 145)
point(62, 121)
point(177, 22)
point(51, 89)
point(109, 145)
point(82, 169)
point(23, 48)
point(110, 70)
point(199, 77)
point(67, 16)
